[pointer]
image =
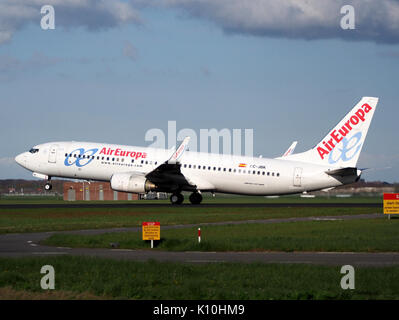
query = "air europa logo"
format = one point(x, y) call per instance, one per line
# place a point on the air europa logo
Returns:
point(338, 136)
point(123, 153)
point(83, 158)
point(350, 147)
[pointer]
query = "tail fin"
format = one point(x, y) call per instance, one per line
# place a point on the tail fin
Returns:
point(342, 145)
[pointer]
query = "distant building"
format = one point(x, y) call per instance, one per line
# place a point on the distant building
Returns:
point(78, 191)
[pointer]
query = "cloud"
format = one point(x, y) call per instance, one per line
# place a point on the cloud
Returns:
point(130, 51)
point(93, 14)
point(389, 54)
point(375, 20)
point(11, 65)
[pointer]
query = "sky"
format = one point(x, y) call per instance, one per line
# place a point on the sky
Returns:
point(111, 70)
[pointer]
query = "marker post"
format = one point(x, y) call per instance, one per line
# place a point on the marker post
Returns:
point(199, 235)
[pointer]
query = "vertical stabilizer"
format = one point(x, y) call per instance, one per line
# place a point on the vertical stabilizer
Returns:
point(342, 145)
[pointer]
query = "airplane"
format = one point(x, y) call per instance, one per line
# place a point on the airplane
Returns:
point(330, 163)
point(291, 149)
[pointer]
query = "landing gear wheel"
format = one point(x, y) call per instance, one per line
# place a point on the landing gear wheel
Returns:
point(176, 198)
point(48, 186)
point(195, 198)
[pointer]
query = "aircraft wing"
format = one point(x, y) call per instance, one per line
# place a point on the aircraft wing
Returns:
point(168, 175)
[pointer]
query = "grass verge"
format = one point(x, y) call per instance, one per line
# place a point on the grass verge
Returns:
point(37, 220)
point(82, 277)
point(370, 235)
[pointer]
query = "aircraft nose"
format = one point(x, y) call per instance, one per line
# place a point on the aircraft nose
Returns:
point(21, 159)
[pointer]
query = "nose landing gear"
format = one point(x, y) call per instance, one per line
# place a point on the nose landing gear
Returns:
point(48, 186)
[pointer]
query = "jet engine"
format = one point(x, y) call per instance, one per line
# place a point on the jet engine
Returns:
point(128, 182)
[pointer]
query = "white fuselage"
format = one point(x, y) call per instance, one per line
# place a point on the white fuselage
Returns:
point(208, 172)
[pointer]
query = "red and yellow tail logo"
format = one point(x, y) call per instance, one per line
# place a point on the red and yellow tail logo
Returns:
point(242, 165)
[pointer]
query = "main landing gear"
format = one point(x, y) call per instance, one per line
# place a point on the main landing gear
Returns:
point(178, 198)
point(195, 198)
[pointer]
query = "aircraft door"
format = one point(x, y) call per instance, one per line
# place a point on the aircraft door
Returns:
point(52, 156)
point(298, 177)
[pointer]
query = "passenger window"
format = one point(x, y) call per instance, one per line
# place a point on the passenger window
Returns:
point(278, 174)
point(189, 166)
point(263, 173)
point(258, 172)
point(273, 174)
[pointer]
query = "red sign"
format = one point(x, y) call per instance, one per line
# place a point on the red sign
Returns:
point(391, 196)
point(151, 231)
point(151, 224)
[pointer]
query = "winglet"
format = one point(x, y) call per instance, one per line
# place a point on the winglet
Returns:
point(290, 149)
point(179, 151)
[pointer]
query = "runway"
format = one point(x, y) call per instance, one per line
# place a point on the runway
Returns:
point(204, 205)
point(28, 245)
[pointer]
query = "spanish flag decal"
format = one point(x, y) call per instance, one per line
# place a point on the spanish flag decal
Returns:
point(242, 165)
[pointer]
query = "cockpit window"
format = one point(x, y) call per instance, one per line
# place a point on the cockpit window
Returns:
point(33, 150)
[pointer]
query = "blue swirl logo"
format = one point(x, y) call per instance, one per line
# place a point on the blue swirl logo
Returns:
point(83, 158)
point(347, 147)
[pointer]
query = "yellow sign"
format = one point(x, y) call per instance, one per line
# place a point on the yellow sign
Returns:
point(391, 203)
point(151, 231)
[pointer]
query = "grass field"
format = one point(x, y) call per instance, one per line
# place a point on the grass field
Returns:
point(95, 278)
point(371, 235)
point(220, 198)
point(91, 278)
point(45, 219)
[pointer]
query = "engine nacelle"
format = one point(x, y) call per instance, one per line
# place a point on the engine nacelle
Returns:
point(128, 182)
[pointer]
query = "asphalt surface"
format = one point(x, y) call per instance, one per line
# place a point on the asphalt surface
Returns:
point(28, 245)
point(204, 205)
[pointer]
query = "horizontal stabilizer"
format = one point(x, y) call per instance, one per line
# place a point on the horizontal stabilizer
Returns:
point(343, 172)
